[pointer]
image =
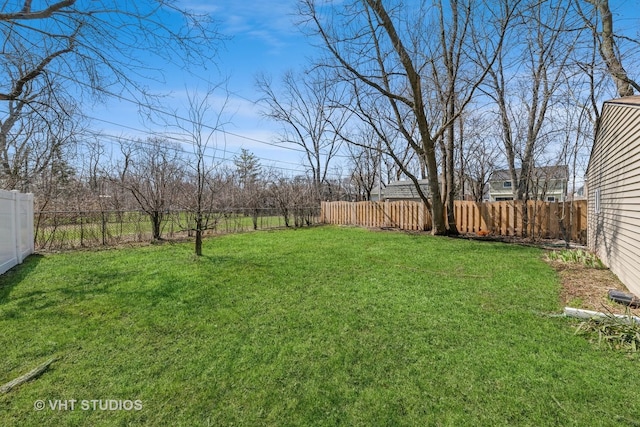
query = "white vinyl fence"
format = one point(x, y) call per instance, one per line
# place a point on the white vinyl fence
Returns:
point(16, 228)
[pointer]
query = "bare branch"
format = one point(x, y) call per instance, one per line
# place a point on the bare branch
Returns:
point(27, 14)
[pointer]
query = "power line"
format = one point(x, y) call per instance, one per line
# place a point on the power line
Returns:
point(181, 118)
point(171, 137)
point(210, 156)
point(187, 120)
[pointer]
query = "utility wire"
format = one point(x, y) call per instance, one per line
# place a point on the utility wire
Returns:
point(170, 136)
point(210, 156)
point(187, 120)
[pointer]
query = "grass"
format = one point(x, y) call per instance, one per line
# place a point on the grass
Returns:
point(320, 326)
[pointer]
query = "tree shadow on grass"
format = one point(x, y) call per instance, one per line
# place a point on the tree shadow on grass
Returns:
point(14, 276)
point(93, 283)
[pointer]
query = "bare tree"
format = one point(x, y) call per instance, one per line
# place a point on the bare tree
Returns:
point(292, 197)
point(55, 181)
point(366, 165)
point(451, 92)
point(281, 192)
point(525, 91)
point(63, 50)
point(305, 106)
point(480, 155)
point(384, 50)
point(152, 171)
point(205, 118)
point(99, 45)
point(36, 130)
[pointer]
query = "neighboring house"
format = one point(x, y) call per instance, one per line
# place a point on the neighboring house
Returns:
point(401, 190)
point(548, 183)
point(580, 194)
point(406, 190)
point(613, 190)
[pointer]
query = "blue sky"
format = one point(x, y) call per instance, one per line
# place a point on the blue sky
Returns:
point(262, 38)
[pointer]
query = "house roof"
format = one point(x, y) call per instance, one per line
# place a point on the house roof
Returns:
point(627, 101)
point(405, 189)
point(549, 172)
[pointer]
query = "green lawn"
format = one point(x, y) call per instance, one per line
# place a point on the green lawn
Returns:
point(311, 327)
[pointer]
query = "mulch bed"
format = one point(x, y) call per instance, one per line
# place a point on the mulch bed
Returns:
point(587, 288)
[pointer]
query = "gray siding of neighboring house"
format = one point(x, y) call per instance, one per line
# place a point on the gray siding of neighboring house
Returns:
point(401, 190)
point(613, 191)
point(551, 181)
point(498, 189)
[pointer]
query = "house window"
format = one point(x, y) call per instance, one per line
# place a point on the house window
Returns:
point(551, 199)
point(597, 201)
point(506, 184)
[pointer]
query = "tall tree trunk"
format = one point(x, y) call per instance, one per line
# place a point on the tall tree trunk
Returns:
point(450, 169)
point(198, 246)
point(439, 226)
point(624, 85)
point(156, 220)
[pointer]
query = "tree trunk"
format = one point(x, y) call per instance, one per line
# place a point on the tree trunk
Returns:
point(437, 213)
point(439, 226)
point(624, 85)
point(450, 169)
point(156, 220)
point(199, 236)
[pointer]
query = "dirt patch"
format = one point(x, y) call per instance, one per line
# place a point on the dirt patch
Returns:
point(587, 288)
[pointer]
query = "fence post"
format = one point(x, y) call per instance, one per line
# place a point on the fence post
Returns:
point(30, 226)
point(504, 218)
point(15, 226)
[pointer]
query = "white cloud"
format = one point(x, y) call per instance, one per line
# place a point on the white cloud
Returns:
point(267, 21)
point(258, 17)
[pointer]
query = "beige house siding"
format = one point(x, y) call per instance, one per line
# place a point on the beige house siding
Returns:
point(613, 186)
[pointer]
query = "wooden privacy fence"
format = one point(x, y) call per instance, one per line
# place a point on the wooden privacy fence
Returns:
point(402, 214)
point(549, 220)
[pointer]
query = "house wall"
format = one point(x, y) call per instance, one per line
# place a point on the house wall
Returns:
point(613, 179)
point(555, 188)
point(498, 190)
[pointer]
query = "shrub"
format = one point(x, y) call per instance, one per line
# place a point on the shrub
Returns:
point(576, 256)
